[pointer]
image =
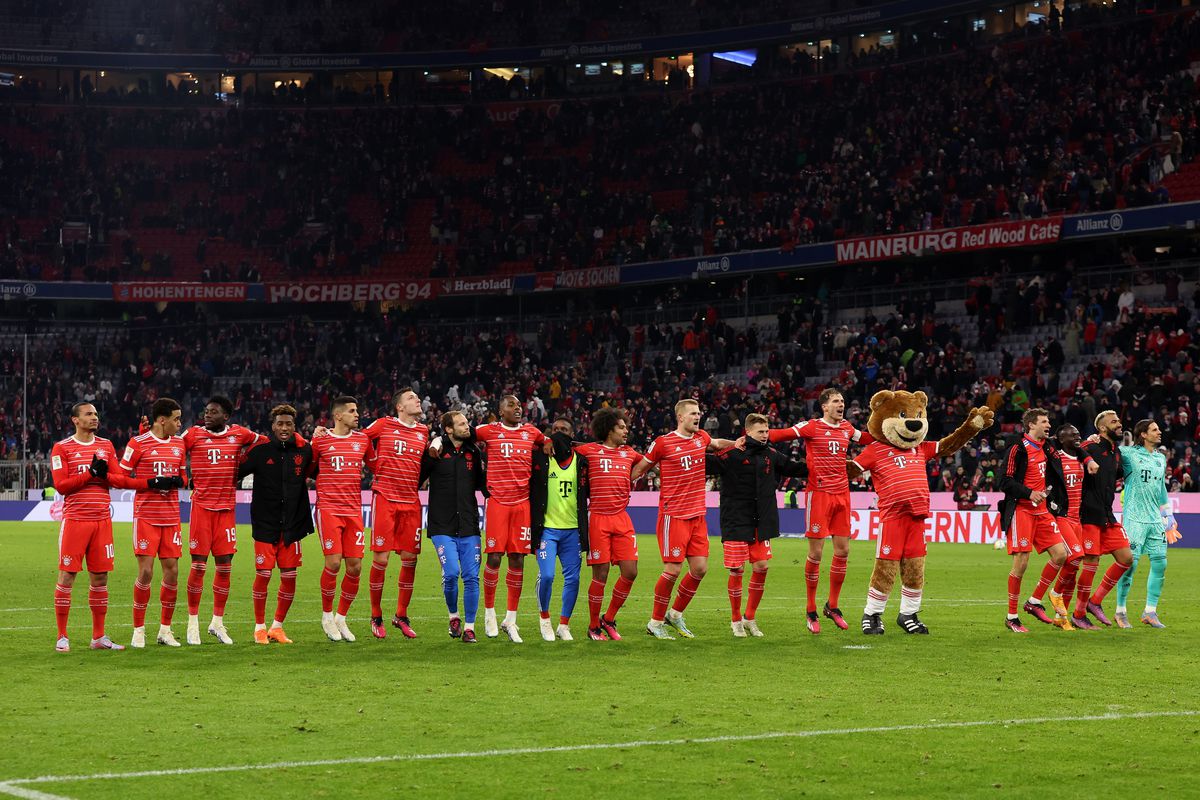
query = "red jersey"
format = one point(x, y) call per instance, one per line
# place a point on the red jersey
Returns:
point(1035, 472)
point(147, 456)
point(826, 448)
point(214, 463)
point(1072, 469)
point(899, 477)
point(85, 497)
point(340, 461)
point(680, 462)
point(509, 460)
point(608, 475)
point(399, 448)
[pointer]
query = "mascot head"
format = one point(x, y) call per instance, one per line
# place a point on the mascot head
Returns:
point(899, 418)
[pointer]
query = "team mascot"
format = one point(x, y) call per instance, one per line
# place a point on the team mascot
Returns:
point(896, 461)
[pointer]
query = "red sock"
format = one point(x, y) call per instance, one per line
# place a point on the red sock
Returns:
point(195, 586)
point(758, 583)
point(1049, 573)
point(1065, 585)
point(141, 599)
point(491, 577)
point(564, 620)
point(812, 576)
point(544, 614)
point(687, 590)
point(837, 575)
point(619, 596)
point(375, 587)
point(258, 594)
point(168, 593)
point(408, 574)
point(514, 579)
point(287, 593)
point(328, 588)
point(62, 607)
point(1087, 574)
point(735, 596)
point(595, 600)
point(662, 595)
point(221, 588)
point(349, 592)
point(1111, 576)
point(98, 602)
point(1014, 592)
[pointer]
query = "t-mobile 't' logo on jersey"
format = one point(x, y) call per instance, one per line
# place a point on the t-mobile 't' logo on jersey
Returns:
point(337, 462)
point(835, 446)
point(606, 465)
point(214, 456)
point(687, 462)
point(506, 449)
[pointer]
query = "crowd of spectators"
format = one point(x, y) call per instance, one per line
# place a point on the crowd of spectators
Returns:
point(1048, 125)
point(1142, 363)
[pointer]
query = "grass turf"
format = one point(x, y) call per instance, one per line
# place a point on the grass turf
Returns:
point(86, 713)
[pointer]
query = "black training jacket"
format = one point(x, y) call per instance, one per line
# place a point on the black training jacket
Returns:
point(454, 476)
point(279, 504)
point(1098, 490)
point(749, 478)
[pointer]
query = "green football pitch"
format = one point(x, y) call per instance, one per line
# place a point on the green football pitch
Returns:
point(969, 711)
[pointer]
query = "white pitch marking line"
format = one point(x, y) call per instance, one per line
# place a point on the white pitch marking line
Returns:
point(29, 794)
point(18, 783)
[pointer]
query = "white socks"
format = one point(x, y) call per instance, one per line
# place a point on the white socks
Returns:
point(910, 600)
point(876, 601)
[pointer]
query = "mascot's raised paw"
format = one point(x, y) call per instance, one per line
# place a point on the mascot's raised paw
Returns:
point(981, 418)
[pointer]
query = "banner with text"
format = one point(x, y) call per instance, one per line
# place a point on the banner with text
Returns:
point(352, 292)
point(1021, 233)
point(1132, 220)
point(167, 292)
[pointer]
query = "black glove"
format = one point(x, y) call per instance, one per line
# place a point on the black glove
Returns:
point(165, 484)
point(99, 467)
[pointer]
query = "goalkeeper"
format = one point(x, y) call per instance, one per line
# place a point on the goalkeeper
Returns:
point(1148, 520)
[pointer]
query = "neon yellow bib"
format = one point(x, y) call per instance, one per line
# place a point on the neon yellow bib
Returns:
point(562, 509)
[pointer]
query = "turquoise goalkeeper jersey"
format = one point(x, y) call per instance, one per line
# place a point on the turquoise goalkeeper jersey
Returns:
point(1145, 484)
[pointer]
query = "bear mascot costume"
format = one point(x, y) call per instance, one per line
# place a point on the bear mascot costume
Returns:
point(896, 461)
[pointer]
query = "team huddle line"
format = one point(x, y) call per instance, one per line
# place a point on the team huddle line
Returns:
point(567, 502)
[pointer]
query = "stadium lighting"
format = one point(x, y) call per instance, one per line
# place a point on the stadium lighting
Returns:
point(744, 57)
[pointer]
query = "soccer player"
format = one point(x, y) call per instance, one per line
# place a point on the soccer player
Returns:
point(558, 503)
point(611, 538)
point(1067, 462)
point(750, 515)
point(682, 530)
point(455, 474)
point(80, 468)
point(214, 450)
point(157, 532)
point(280, 517)
point(1147, 518)
point(1102, 534)
point(400, 443)
point(1027, 518)
point(509, 447)
point(339, 458)
point(827, 442)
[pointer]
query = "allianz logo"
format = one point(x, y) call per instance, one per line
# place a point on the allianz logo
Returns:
point(713, 265)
